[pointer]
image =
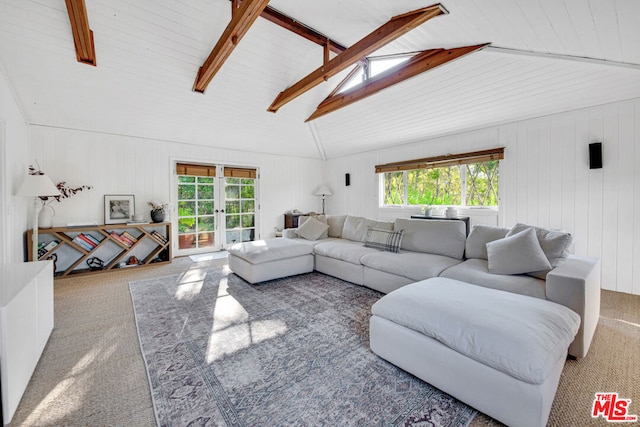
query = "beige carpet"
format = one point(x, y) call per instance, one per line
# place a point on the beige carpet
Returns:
point(92, 372)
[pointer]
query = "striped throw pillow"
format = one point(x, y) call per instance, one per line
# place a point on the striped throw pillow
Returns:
point(385, 240)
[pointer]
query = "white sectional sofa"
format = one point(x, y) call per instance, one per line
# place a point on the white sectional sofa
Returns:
point(441, 249)
point(446, 315)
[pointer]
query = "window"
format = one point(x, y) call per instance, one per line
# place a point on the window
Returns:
point(370, 67)
point(469, 179)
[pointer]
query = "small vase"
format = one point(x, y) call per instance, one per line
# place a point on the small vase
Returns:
point(45, 217)
point(158, 215)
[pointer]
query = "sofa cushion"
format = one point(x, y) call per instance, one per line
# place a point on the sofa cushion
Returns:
point(554, 244)
point(435, 237)
point(345, 250)
point(312, 229)
point(412, 265)
point(267, 250)
point(384, 240)
point(476, 271)
point(336, 224)
point(321, 218)
point(523, 337)
point(480, 235)
point(517, 254)
point(355, 227)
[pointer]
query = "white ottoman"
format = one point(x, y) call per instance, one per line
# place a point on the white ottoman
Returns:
point(500, 352)
point(270, 259)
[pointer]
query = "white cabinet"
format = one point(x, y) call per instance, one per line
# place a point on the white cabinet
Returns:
point(26, 322)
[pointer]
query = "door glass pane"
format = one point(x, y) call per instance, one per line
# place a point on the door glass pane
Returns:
point(206, 207)
point(247, 192)
point(186, 241)
point(232, 207)
point(247, 221)
point(232, 192)
point(233, 237)
point(248, 206)
point(186, 208)
point(233, 221)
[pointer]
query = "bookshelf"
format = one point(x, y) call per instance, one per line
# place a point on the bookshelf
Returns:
point(116, 245)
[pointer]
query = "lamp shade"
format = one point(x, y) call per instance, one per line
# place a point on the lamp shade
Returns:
point(322, 190)
point(37, 185)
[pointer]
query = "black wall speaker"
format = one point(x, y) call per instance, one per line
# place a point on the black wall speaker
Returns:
point(347, 179)
point(595, 155)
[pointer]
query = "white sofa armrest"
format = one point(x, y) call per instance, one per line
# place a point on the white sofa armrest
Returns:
point(289, 233)
point(576, 284)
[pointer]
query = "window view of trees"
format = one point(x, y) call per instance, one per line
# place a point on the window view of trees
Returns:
point(482, 184)
point(476, 184)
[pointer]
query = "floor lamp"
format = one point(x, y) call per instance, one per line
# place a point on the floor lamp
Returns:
point(322, 191)
point(36, 186)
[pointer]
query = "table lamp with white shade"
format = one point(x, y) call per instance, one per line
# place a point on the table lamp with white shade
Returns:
point(322, 191)
point(36, 186)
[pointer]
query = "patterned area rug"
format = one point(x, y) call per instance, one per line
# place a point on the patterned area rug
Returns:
point(289, 352)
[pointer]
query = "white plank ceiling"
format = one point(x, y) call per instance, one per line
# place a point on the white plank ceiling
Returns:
point(149, 51)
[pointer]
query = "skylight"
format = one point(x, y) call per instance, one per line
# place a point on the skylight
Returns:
point(375, 66)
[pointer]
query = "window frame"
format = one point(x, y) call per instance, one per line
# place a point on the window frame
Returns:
point(462, 168)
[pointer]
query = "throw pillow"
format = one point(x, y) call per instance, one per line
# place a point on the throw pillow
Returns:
point(517, 254)
point(476, 245)
point(554, 244)
point(312, 229)
point(356, 227)
point(385, 240)
point(336, 223)
point(321, 218)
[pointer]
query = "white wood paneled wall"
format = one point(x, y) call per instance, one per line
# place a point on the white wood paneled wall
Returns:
point(15, 211)
point(545, 180)
point(115, 164)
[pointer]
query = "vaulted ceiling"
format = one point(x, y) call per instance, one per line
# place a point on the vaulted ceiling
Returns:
point(546, 56)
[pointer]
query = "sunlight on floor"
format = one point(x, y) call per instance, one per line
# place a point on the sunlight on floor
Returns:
point(73, 387)
point(190, 284)
point(238, 337)
point(233, 331)
point(627, 322)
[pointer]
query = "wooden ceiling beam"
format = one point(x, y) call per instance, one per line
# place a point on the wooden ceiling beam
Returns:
point(279, 18)
point(242, 19)
point(396, 27)
point(82, 34)
point(424, 61)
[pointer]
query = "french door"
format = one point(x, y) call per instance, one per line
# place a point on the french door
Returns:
point(216, 207)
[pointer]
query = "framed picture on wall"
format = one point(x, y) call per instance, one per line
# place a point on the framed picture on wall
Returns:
point(118, 208)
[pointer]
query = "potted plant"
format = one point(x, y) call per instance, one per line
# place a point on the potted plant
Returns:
point(425, 210)
point(159, 210)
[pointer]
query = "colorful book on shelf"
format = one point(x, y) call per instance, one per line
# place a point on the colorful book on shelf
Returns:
point(44, 248)
point(117, 237)
point(129, 236)
point(84, 245)
point(159, 237)
point(87, 240)
point(93, 239)
point(128, 241)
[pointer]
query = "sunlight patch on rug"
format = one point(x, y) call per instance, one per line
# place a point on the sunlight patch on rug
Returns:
point(293, 351)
